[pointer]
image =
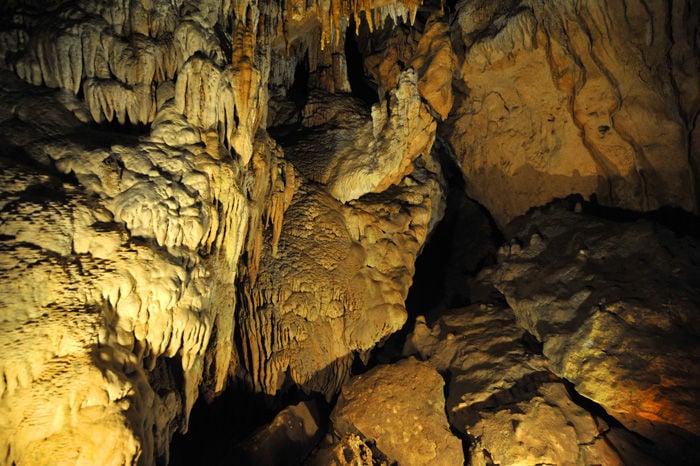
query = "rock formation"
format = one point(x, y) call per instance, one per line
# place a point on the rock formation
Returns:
point(201, 193)
point(618, 315)
point(615, 330)
point(577, 97)
point(400, 408)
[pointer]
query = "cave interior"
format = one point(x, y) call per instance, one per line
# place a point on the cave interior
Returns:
point(349, 232)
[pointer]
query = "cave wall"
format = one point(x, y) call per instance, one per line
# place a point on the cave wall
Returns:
point(578, 97)
point(157, 241)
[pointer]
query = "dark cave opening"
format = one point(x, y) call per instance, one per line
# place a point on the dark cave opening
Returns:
point(463, 242)
point(218, 427)
point(362, 86)
point(679, 221)
point(299, 92)
point(126, 128)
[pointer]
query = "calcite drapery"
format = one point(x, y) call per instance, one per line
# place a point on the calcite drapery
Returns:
point(117, 55)
point(335, 282)
point(119, 278)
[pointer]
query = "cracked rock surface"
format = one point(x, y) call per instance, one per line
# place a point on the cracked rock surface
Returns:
point(562, 97)
point(619, 317)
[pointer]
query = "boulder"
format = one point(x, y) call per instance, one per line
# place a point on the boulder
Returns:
point(503, 398)
point(401, 409)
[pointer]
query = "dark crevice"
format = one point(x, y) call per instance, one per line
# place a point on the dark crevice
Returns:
point(461, 244)
point(531, 344)
point(679, 221)
point(592, 407)
point(127, 128)
point(464, 242)
point(299, 92)
point(217, 427)
point(461, 435)
point(362, 86)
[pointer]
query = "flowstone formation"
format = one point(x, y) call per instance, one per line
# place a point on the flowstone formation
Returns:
point(119, 258)
point(198, 194)
point(142, 270)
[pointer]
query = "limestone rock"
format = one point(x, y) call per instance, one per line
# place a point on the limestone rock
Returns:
point(555, 100)
point(429, 54)
point(108, 294)
point(435, 63)
point(354, 156)
point(333, 284)
point(136, 248)
point(400, 407)
point(384, 63)
point(616, 308)
point(546, 428)
point(502, 397)
point(155, 240)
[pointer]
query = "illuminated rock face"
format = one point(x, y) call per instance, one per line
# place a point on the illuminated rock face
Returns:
point(118, 266)
point(156, 242)
point(615, 306)
point(141, 271)
point(401, 408)
point(505, 400)
point(562, 97)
